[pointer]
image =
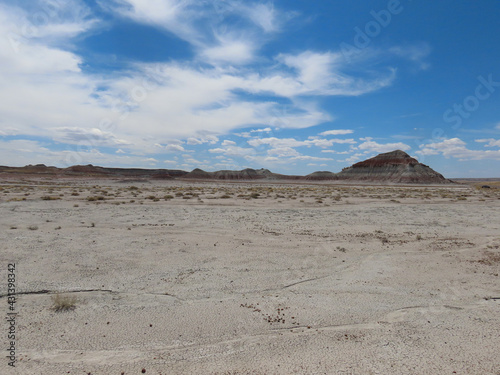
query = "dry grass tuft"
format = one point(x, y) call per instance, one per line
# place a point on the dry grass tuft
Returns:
point(50, 198)
point(62, 303)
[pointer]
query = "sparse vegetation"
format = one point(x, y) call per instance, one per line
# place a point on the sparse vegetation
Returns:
point(95, 198)
point(50, 198)
point(62, 303)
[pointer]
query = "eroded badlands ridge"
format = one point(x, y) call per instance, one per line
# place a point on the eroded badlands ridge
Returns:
point(391, 167)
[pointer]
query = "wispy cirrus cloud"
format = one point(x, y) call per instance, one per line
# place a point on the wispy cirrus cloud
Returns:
point(204, 24)
point(322, 74)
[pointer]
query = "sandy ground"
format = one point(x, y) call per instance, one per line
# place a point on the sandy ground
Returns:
point(204, 278)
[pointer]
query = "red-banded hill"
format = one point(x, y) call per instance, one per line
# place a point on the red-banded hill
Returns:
point(395, 167)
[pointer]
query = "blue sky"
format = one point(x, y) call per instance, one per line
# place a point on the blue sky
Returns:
point(294, 86)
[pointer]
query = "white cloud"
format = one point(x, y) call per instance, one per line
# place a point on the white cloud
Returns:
point(321, 74)
point(174, 148)
point(490, 142)
point(283, 152)
point(271, 159)
point(307, 157)
point(265, 130)
point(372, 146)
point(201, 100)
point(414, 53)
point(291, 142)
point(47, 80)
point(193, 141)
point(235, 52)
point(217, 150)
point(228, 143)
point(457, 148)
point(243, 135)
point(276, 142)
point(353, 159)
point(342, 141)
point(191, 160)
point(337, 132)
point(8, 131)
point(90, 137)
point(233, 151)
point(263, 15)
point(204, 24)
point(335, 152)
point(172, 15)
point(203, 138)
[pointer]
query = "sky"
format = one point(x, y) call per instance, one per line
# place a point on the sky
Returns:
point(293, 86)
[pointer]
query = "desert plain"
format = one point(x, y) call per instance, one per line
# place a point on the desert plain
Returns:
point(175, 277)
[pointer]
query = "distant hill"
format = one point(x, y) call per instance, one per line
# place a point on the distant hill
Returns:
point(321, 176)
point(395, 166)
point(245, 174)
point(94, 171)
point(391, 167)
